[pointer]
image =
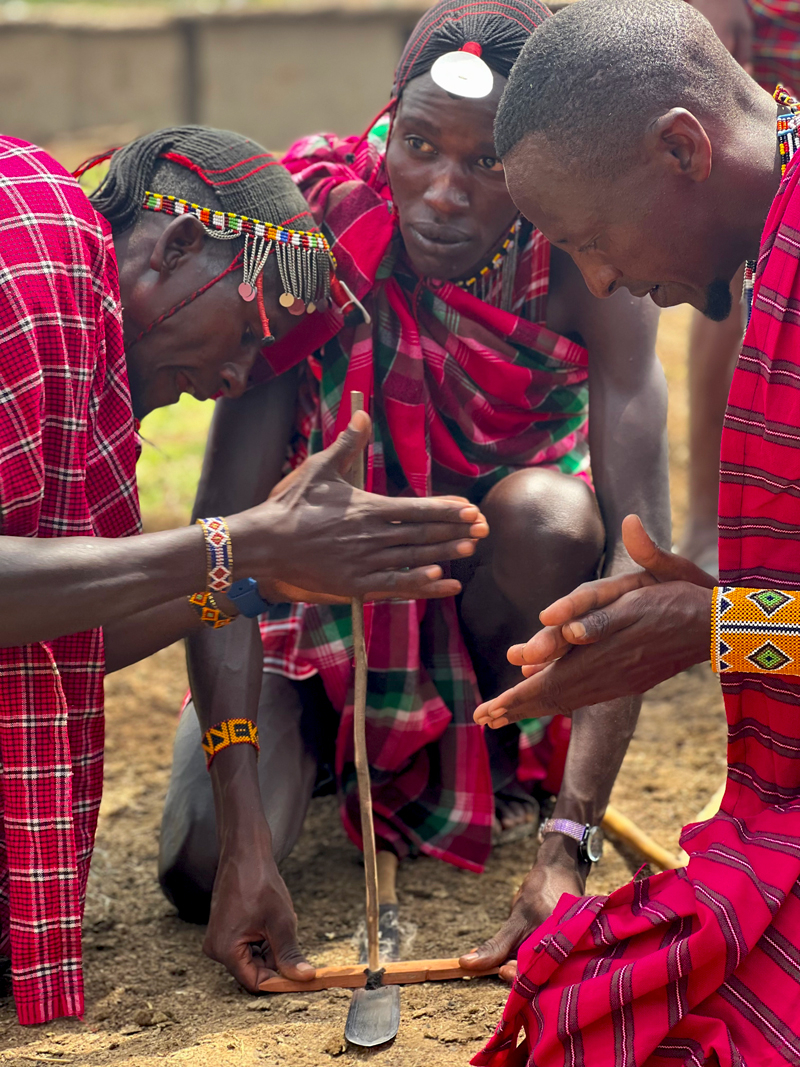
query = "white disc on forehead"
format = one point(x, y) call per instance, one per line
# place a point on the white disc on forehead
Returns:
point(463, 74)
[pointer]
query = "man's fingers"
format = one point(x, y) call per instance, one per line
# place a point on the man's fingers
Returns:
point(498, 949)
point(401, 556)
point(528, 699)
point(508, 972)
point(418, 589)
point(429, 509)
point(420, 583)
point(246, 966)
point(291, 962)
point(546, 645)
point(431, 533)
point(664, 566)
point(600, 624)
point(350, 443)
point(593, 595)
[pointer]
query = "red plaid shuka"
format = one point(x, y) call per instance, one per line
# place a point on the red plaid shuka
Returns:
point(67, 469)
point(776, 43)
point(461, 394)
point(705, 960)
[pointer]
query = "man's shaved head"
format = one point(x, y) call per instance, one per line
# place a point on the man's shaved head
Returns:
point(632, 140)
point(591, 77)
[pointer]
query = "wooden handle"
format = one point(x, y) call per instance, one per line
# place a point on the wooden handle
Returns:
point(360, 741)
point(620, 826)
point(395, 974)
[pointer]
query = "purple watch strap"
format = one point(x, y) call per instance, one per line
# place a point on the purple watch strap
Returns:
point(576, 830)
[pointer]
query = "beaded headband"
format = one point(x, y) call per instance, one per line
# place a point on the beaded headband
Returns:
point(305, 260)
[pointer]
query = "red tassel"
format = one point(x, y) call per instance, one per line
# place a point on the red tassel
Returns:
point(261, 309)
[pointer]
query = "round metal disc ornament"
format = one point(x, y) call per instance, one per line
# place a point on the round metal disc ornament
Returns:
point(247, 292)
point(286, 300)
point(298, 307)
point(463, 74)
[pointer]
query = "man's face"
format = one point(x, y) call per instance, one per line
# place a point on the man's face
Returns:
point(207, 347)
point(447, 182)
point(644, 231)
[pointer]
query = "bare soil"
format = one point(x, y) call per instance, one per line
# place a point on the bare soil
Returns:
point(153, 998)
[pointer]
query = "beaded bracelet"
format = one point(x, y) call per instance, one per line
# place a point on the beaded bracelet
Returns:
point(209, 611)
point(229, 732)
point(219, 553)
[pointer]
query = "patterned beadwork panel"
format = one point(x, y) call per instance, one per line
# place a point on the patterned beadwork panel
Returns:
point(755, 630)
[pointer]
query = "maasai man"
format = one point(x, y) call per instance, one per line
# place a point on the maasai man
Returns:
point(638, 114)
point(472, 349)
point(84, 353)
point(764, 36)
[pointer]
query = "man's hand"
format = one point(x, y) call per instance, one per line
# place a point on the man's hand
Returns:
point(733, 24)
point(555, 872)
point(323, 536)
point(252, 929)
point(636, 630)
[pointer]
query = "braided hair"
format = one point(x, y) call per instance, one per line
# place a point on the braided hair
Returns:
point(217, 169)
point(500, 27)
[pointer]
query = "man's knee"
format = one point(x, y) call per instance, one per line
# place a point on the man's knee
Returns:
point(540, 514)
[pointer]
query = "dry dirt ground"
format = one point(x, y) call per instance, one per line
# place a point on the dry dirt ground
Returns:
point(153, 998)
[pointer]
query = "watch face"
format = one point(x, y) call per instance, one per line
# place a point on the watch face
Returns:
point(593, 844)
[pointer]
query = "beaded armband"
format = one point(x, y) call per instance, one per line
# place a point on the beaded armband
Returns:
point(755, 630)
point(206, 607)
point(229, 732)
point(219, 554)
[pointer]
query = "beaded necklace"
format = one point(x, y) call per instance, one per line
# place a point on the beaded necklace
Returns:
point(788, 143)
point(481, 285)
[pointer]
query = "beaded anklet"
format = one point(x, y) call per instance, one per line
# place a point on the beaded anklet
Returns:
point(229, 732)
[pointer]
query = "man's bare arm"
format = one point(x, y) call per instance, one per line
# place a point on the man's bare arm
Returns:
point(629, 466)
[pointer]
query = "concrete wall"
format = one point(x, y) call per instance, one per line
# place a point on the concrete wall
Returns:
point(272, 75)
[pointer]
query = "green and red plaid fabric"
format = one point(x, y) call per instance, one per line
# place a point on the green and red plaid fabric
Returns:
point(776, 43)
point(461, 394)
point(67, 469)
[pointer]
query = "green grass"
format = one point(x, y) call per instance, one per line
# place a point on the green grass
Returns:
point(173, 441)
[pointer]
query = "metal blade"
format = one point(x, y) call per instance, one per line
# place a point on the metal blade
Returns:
point(374, 1016)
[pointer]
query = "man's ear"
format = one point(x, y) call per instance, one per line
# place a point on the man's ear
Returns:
point(183, 237)
point(682, 144)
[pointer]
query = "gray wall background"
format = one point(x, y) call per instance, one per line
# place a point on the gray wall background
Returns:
point(272, 75)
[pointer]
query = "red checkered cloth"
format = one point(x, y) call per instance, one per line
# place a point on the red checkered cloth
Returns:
point(462, 393)
point(776, 43)
point(705, 960)
point(67, 469)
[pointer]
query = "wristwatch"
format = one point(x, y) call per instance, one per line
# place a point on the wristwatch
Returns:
point(589, 838)
point(246, 597)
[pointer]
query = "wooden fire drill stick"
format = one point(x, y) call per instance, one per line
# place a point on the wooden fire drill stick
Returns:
point(360, 740)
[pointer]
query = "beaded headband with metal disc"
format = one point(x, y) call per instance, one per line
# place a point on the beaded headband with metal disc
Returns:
point(463, 73)
point(305, 260)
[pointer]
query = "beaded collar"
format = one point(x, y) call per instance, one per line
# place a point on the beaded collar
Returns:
point(788, 143)
point(481, 284)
